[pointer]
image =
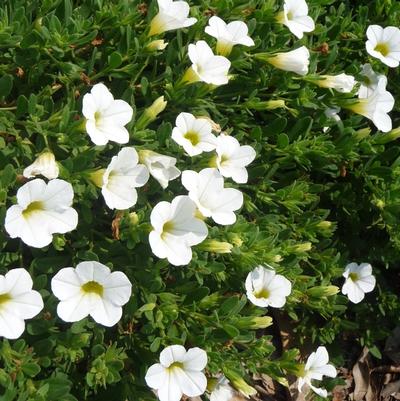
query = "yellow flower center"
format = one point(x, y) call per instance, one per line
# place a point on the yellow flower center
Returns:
point(263, 293)
point(4, 298)
point(93, 287)
point(353, 276)
point(223, 159)
point(289, 15)
point(382, 48)
point(167, 228)
point(192, 137)
point(97, 118)
point(33, 207)
point(175, 365)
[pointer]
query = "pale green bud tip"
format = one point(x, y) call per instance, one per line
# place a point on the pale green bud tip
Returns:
point(275, 104)
point(156, 108)
point(324, 225)
point(212, 245)
point(323, 291)
point(133, 218)
point(239, 384)
point(254, 322)
point(306, 246)
point(380, 203)
point(155, 45)
point(362, 133)
point(97, 177)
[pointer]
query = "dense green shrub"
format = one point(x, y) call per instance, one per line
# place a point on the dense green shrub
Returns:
point(315, 201)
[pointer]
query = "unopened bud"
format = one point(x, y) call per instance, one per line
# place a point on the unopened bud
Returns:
point(300, 248)
point(392, 135)
point(212, 245)
point(151, 113)
point(239, 384)
point(253, 322)
point(133, 218)
point(323, 291)
point(156, 45)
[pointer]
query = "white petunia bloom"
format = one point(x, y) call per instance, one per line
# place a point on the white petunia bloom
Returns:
point(359, 281)
point(296, 61)
point(171, 15)
point(44, 165)
point(121, 178)
point(105, 117)
point(342, 83)
point(193, 134)
point(207, 190)
point(232, 158)
point(17, 302)
point(179, 373)
point(266, 288)
point(161, 167)
point(228, 35)
point(376, 106)
point(223, 391)
point(206, 66)
point(370, 82)
point(91, 289)
point(384, 44)
point(42, 210)
point(316, 367)
point(295, 17)
point(175, 230)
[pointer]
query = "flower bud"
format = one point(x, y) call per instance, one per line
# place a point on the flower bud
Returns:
point(156, 45)
point(324, 225)
point(381, 139)
point(323, 291)
point(300, 248)
point(151, 113)
point(239, 384)
point(97, 177)
point(44, 165)
point(253, 322)
point(133, 218)
point(215, 246)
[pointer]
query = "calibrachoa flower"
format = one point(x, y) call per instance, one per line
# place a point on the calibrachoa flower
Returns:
point(266, 288)
point(384, 44)
point(175, 230)
point(193, 134)
point(316, 367)
point(223, 391)
point(206, 66)
point(295, 17)
point(171, 15)
point(207, 190)
point(105, 117)
point(44, 165)
point(370, 82)
point(232, 158)
point(121, 177)
point(296, 61)
point(91, 289)
point(179, 372)
point(161, 167)
point(228, 35)
point(376, 106)
point(42, 210)
point(342, 83)
point(359, 281)
point(17, 302)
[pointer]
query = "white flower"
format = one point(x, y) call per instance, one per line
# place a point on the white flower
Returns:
point(179, 372)
point(228, 35)
point(266, 288)
point(359, 281)
point(370, 82)
point(44, 165)
point(193, 134)
point(207, 190)
point(232, 158)
point(17, 302)
point(295, 17)
point(206, 66)
point(222, 391)
point(384, 44)
point(105, 117)
point(171, 15)
point(161, 167)
point(316, 367)
point(295, 61)
point(42, 210)
point(91, 289)
point(333, 113)
point(175, 230)
point(342, 83)
point(122, 176)
point(376, 106)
